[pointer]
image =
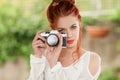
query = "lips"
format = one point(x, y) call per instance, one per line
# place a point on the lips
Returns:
point(70, 41)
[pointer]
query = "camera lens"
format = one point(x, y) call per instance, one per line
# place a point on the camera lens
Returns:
point(52, 40)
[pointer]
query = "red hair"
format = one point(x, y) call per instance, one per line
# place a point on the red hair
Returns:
point(61, 8)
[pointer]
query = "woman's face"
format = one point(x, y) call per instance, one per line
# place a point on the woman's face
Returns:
point(70, 25)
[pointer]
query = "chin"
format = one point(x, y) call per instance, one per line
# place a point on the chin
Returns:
point(70, 45)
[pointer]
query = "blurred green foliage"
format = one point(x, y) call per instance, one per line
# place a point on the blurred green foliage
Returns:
point(17, 29)
point(102, 19)
point(110, 74)
point(88, 5)
point(116, 16)
point(89, 21)
point(116, 19)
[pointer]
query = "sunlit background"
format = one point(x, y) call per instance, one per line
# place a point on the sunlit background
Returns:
point(21, 19)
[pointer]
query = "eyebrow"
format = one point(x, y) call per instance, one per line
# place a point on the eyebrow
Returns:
point(64, 28)
point(60, 28)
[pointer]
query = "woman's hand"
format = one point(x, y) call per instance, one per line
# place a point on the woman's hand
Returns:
point(38, 44)
point(54, 52)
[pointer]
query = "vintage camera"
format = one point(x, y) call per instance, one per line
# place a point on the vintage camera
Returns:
point(53, 39)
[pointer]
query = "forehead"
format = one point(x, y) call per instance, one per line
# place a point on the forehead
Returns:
point(66, 21)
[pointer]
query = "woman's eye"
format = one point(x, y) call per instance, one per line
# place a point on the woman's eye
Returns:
point(61, 30)
point(74, 27)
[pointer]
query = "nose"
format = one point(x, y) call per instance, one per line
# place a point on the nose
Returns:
point(69, 34)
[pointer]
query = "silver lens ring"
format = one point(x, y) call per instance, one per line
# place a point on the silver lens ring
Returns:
point(52, 40)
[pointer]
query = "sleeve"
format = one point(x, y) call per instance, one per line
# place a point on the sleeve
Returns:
point(96, 76)
point(37, 68)
point(99, 71)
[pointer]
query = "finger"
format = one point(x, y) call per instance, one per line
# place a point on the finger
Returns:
point(39, 46)
point(48, 48)
point(59, 47)
point(39, 37)
point(42, 40)
point(61, 40)
point(52, 49)
point(38, 42)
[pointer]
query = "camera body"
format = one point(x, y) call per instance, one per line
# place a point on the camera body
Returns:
point(53, 39)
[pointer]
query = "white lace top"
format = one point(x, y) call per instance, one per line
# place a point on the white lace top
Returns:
point(40, 69)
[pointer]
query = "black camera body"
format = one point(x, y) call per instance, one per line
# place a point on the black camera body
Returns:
point(53, 39)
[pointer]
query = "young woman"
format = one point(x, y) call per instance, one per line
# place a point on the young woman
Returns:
point(57, 63)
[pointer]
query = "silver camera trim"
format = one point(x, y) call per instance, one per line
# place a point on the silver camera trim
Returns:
point(46, 34)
